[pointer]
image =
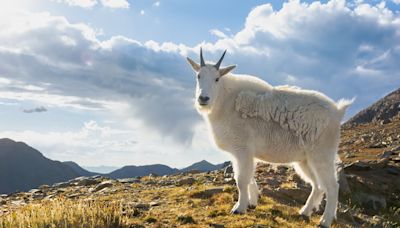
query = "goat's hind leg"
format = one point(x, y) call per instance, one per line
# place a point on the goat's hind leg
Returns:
point(326, 175)
point(253, 193)
point(316, 195)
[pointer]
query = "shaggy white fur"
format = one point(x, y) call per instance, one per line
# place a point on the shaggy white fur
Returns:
point(299, 111)
point(251, 119)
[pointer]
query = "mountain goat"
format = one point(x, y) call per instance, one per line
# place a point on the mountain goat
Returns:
point(251, 119)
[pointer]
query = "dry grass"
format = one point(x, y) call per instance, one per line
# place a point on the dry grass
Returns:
point(177, 207)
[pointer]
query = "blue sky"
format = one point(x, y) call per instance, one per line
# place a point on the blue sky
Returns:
point(105, 82)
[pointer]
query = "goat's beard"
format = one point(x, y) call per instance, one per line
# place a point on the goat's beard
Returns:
point(203, 109)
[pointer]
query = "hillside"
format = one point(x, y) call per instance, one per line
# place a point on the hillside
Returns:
point(22, 168)
point(381, 111)
point(369, 197)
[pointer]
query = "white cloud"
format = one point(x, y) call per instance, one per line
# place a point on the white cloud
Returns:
point(115, 3)
point(218, 33)
point(329, 47)
point(80, 3)
point(141, 12)
point(156, 4)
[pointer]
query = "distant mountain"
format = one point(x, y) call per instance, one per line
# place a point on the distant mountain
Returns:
point(203, 166)
point(81, 171)
point(134, 171)
point(101, 169)
point(23, 168)
point(382, 110)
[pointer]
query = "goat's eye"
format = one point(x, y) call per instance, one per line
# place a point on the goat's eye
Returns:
point(217, 79)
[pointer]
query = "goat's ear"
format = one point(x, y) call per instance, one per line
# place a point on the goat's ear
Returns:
point(226, 70)
point(195, 66)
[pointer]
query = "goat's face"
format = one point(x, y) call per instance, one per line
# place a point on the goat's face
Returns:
point(207, 86)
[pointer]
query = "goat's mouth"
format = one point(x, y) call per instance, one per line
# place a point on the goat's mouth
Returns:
point(203, 103)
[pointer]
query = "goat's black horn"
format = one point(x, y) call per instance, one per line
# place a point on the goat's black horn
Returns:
point(218, 64)
point(201, 58)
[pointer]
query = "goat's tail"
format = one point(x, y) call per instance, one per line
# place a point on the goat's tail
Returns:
point(343, 104)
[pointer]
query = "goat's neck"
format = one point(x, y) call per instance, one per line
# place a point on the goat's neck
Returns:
point(219, 107)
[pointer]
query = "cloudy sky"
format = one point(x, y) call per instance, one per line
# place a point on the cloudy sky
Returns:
point(105, 82)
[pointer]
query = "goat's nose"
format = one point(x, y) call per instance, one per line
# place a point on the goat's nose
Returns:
point(203, 99)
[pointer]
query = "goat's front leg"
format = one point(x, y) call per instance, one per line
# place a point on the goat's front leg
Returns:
point(243, 168)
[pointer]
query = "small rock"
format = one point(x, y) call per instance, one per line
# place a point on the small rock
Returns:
point(186, 181)
point(51, 196)
point(153, 175)
point(378, 145)
point(2, 201)
point(150, 220)
point(74, 195)
point(166, 182)
point(149, 182)
point(142, 206)
point(377, 221)
point(18, 202)
point(129, 180)
point(371, 203)
point(61, 185)
point(386, 154)
point(393, 171)
point(154, 204)
point(35, 191)
point(228, 170)
point(44, 187)
point(215, 225)
point(357, 166)
point(102, 185)
point(58, 191)
point(229, 180)
point(84, 181)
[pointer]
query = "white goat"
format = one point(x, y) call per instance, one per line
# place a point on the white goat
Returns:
point(253, 120)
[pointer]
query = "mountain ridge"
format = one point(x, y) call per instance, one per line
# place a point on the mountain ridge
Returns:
point(46, 171)
point(381, 111)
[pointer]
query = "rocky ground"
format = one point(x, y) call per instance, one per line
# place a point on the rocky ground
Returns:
point(370, 194)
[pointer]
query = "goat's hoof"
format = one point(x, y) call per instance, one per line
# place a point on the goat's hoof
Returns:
point(305, 218)
point(252, 206)
point(237, 212)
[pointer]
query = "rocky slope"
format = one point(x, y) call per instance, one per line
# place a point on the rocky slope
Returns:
point(381, 111)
